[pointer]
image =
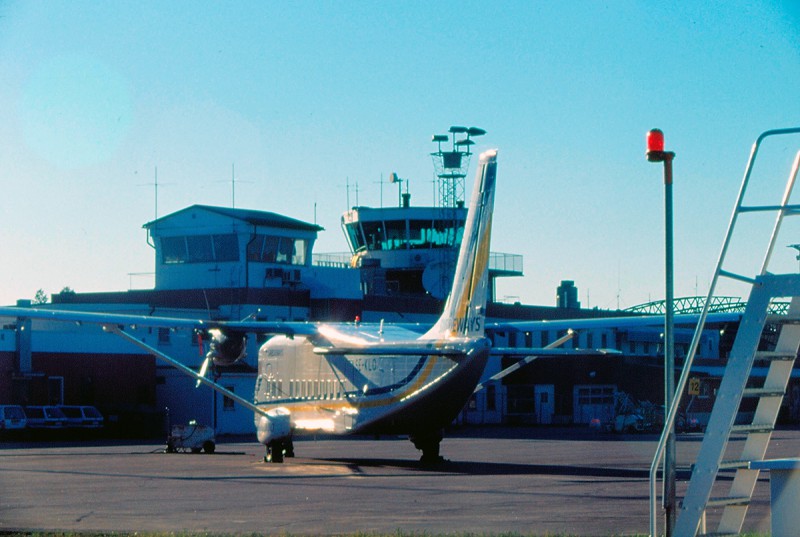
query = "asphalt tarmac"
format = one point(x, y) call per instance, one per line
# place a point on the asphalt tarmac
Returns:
point(525, 480)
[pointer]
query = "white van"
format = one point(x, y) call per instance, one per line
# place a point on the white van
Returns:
point(82, 416)
point(12, 417)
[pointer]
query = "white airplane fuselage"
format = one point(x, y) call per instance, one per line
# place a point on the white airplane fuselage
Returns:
point(341, 393)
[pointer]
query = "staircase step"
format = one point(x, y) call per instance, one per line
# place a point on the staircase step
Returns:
point(752, 428)
point(733, 464)
point(783, 319)
point(775, 356)
point(725, 501)
point(762, 392)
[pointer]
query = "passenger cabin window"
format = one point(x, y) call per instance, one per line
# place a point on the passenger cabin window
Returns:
point(199, 249)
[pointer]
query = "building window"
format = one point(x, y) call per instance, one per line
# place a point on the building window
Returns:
point(163, 336)
point(173, 250)
point(282, 250)
point(299, 253)
point(228, 404)
point(199, 249)
point(226, 247)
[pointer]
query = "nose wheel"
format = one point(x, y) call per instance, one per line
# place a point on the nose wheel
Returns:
point(278, 449)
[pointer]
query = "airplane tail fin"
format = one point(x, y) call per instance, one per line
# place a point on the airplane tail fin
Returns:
point(465, 310)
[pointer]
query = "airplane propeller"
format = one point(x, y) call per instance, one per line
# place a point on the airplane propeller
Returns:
point(204, 366)
point(225, 348)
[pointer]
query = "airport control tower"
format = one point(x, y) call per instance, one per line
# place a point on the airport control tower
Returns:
point(411, 250)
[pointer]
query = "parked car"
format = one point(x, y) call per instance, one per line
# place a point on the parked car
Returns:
point(82, 416)
point(45, 417)
point(12, 417)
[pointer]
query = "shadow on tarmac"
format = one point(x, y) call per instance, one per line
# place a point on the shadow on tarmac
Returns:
point(500, 469)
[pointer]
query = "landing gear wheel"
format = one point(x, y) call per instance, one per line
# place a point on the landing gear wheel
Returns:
point(428, 442)
point(276, 450)
point(209, 446)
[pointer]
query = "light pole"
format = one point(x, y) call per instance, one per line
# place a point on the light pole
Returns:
point(656, 153)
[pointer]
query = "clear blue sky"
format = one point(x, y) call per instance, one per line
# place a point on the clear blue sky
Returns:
point(303, 96)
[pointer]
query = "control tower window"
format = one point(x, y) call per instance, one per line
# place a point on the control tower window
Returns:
point(299, 254)
point(283, 250)
point(173, 250)
point(447, 233)
point(354, 236)
point(373, 231)
point(395, 235)
point(199, 249)
point(270, 251)
point(226, 247)
point(419, 233)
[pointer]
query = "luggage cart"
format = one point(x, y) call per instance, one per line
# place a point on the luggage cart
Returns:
point(191, 438)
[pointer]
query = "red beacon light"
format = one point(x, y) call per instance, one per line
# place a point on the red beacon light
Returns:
point(655, 145)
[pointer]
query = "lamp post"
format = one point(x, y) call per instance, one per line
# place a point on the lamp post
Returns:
point(656, 153)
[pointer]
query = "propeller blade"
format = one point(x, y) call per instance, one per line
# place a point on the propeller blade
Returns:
point(203, 369)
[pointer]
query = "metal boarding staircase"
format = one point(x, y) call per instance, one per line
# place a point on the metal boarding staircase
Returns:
point(736, 383)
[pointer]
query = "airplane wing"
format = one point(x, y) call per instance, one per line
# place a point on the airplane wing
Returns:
point(544, 351)
point(611, 322)
point(111, 319)
point(529, 355)
point(570, 326)
point(117, 324)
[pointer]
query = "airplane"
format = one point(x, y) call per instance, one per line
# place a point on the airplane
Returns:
point(351, 378)
point(358, 378)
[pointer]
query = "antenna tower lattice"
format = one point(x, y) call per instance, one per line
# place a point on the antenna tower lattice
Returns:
point(451, 164)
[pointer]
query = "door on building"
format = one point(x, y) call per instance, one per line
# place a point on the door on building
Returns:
point(544, 395)
point(55, 390)
point(593, 401)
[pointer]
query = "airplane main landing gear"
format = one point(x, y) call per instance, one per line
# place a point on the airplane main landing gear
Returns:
point(428, 442)
point(278, 449)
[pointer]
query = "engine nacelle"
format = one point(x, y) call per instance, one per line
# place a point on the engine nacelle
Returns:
point(276, 425)
point(227, 348)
